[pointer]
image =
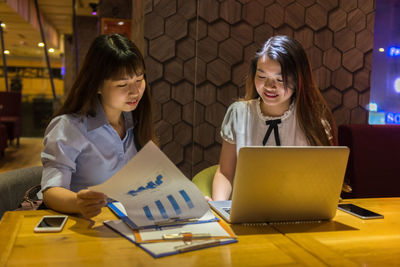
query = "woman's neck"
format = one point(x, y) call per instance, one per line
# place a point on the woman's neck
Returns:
point(273, 110)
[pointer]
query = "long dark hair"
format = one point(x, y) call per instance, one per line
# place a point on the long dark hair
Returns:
point(314, 115)
point(108, 56)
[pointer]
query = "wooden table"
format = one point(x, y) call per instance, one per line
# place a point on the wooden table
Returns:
point(346, 240)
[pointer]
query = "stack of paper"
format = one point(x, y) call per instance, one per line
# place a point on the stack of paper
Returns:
point(156, 199)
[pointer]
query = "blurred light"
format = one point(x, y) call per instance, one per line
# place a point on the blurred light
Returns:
point(397, 85)
point(40, 44)
point(120, 23)
point(7, 52)
point(373, 107)
point(394, 51)
point(3, 25)
point(94, 8)
point(62, 70)
point(381, 49)
point(51, 50)
point(392, 118)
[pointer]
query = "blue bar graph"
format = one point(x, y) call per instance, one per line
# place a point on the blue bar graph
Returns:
point(174, 204)
point(187, 199)
point(161, 209)
point(148, 213)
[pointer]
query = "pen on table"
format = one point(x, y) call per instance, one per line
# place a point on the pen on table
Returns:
point(186, 236)
point(198, 245)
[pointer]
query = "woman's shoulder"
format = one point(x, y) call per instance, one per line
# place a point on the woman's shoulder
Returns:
point(242, 105)
point(67, 121)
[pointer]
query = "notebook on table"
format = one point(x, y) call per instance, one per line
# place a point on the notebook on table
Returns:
point(284, 184)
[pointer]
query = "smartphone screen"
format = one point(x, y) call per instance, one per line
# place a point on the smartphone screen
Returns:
point(359, 212)
point(51, 223)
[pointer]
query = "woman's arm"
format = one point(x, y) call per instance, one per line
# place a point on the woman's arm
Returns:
point(86, 202)
point(223, 179)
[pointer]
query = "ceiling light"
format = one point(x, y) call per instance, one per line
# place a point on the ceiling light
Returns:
point(7, 52)
point(51, 50)
point(120, 23)
point(3, 25)
point(381, 49)
point(40, 44)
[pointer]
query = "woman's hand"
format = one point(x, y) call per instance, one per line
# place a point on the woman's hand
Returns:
point(208, 198)
point(90, 202)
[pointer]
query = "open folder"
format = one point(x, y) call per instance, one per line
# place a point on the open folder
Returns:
point(153, 191)
point(170, 240)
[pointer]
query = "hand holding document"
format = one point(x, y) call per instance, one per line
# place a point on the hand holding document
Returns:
point(153, 190)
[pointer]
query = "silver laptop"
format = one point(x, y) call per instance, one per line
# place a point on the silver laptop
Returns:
point(280, 184)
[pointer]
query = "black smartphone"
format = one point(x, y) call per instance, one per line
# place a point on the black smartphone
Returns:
point(359, 212)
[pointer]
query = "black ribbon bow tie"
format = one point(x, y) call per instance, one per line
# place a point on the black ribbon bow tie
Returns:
point(273, 125)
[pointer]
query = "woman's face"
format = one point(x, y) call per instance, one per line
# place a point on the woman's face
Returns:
point(122, 93)
point(269, 84)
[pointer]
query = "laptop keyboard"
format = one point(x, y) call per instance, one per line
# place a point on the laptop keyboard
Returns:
point(227, 210)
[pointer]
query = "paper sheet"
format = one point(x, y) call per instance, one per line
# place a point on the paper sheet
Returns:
point(152, 189)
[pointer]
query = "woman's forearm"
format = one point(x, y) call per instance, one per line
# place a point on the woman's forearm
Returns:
point(61, 199)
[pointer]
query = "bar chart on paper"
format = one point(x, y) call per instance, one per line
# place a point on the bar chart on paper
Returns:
point(159, 203)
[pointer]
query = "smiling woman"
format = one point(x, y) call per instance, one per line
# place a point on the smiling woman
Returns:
point(282, 100)
point(104, 121)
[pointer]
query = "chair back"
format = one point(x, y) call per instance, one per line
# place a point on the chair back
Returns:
point(11, 103)
point(373, 167)
point(204, 180)
point(14, 184)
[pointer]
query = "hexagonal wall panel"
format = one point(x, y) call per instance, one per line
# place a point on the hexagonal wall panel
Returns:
point(332, 59)
point(328, 5)
point(183, 133)
point(353, 59)
point(208, 10)
point(344, 39)
point(174, 152)
point(207, 49)
point(174, 71)
point(176, 27)
point(333, 98)
point(322, 77)
point(227, 94)
point(219, 30)
point(253, 13)
point(262, 33)
point(211, 154)
point(356, 20)
point(171, 112)
point(274, 15)
point(186, 48)
point(218, 72)
point(204, 135)
point(315, 56)
point(165, 8)
point(231, 51)
point(316, 17)
point(162, 48)
point(230, 11)
point(362, 80)
point(306, 3)
point(189, 71)
point(153, 26)
point(337, 20)
point(161, 91)
point(324, 39)
point(187, 8)
point(164, 132)
point(183, 92)
point(348, 5)
point(305, 36)
point(215, 114)
point(294, 15)
point(350, 99)
point(206, 93)
point(342, 79)
point(364, 40)
point(243, 33)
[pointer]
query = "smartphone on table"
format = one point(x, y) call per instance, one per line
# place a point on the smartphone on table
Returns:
point(51, 223)
point(359, 211)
